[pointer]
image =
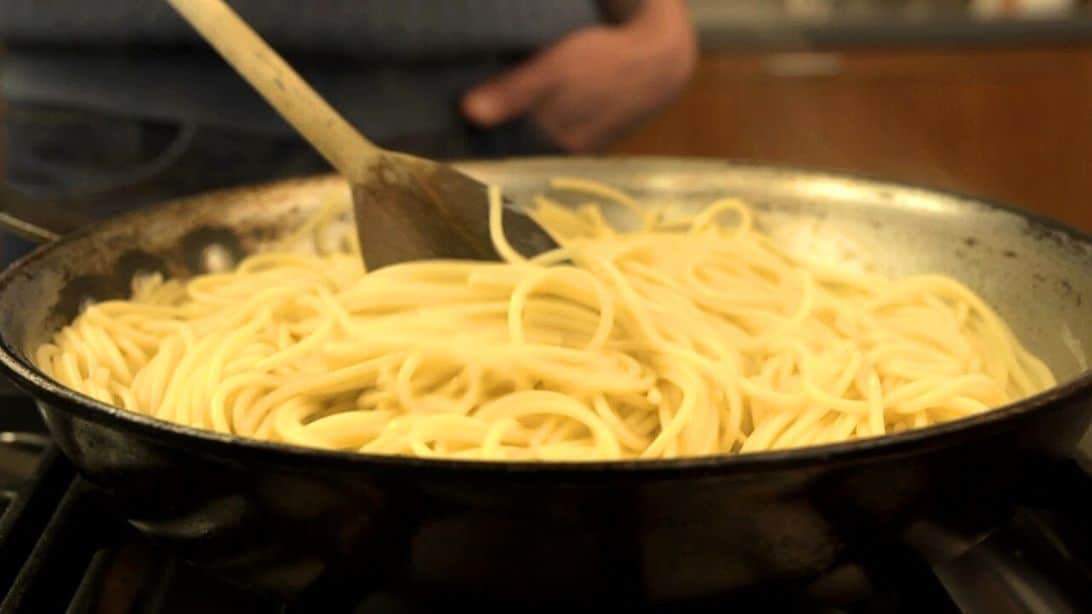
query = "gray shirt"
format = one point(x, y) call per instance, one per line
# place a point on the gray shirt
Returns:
point(394, 67)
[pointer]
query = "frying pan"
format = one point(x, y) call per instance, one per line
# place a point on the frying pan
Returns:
point(289, 519)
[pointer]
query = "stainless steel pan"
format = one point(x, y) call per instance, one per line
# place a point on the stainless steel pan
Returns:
point(286, 518)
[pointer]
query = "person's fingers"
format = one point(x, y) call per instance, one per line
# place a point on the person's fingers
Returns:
point(583, 120)
point(584, 134)
point(587, 135)
point(567, 122)
point(511, 94)
point(563, 109)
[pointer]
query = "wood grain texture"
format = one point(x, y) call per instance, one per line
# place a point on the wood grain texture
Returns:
point(1009, 124)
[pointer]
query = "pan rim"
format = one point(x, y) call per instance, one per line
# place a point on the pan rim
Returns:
point(44, 389)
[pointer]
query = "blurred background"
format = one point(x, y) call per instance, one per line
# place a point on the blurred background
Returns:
point(987, 97)
point(107, 105)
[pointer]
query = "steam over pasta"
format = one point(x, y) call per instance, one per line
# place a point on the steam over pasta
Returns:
point(690, 336)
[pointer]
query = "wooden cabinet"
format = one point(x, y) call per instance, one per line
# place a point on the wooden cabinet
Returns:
point(1009, 124)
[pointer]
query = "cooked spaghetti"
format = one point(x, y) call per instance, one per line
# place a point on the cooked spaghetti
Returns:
point(690, 336)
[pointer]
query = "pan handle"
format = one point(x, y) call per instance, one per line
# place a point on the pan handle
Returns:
point(1035, 561)
point(27, 230)
point(1023, 567)
point(40, 222)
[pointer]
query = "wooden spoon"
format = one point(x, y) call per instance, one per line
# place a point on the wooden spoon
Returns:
point(406, 208)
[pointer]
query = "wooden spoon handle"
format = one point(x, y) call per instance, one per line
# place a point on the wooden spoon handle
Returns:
point(341, 144)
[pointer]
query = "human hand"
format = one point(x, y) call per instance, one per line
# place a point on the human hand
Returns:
point(598, 82)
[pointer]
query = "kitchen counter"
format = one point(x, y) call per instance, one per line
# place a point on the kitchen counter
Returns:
point(997, 109)
point(728, 31)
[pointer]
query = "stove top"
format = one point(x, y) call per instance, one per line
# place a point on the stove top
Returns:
point(63, 549)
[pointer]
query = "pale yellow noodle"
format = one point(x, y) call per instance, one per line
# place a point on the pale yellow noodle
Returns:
point(694, 335)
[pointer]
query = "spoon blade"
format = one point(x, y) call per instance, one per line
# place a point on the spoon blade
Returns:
point(409, 208)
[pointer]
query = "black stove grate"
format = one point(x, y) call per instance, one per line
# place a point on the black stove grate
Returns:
point(63, 549)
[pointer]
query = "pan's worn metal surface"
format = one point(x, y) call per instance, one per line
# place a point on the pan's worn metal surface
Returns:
point(285, 518)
